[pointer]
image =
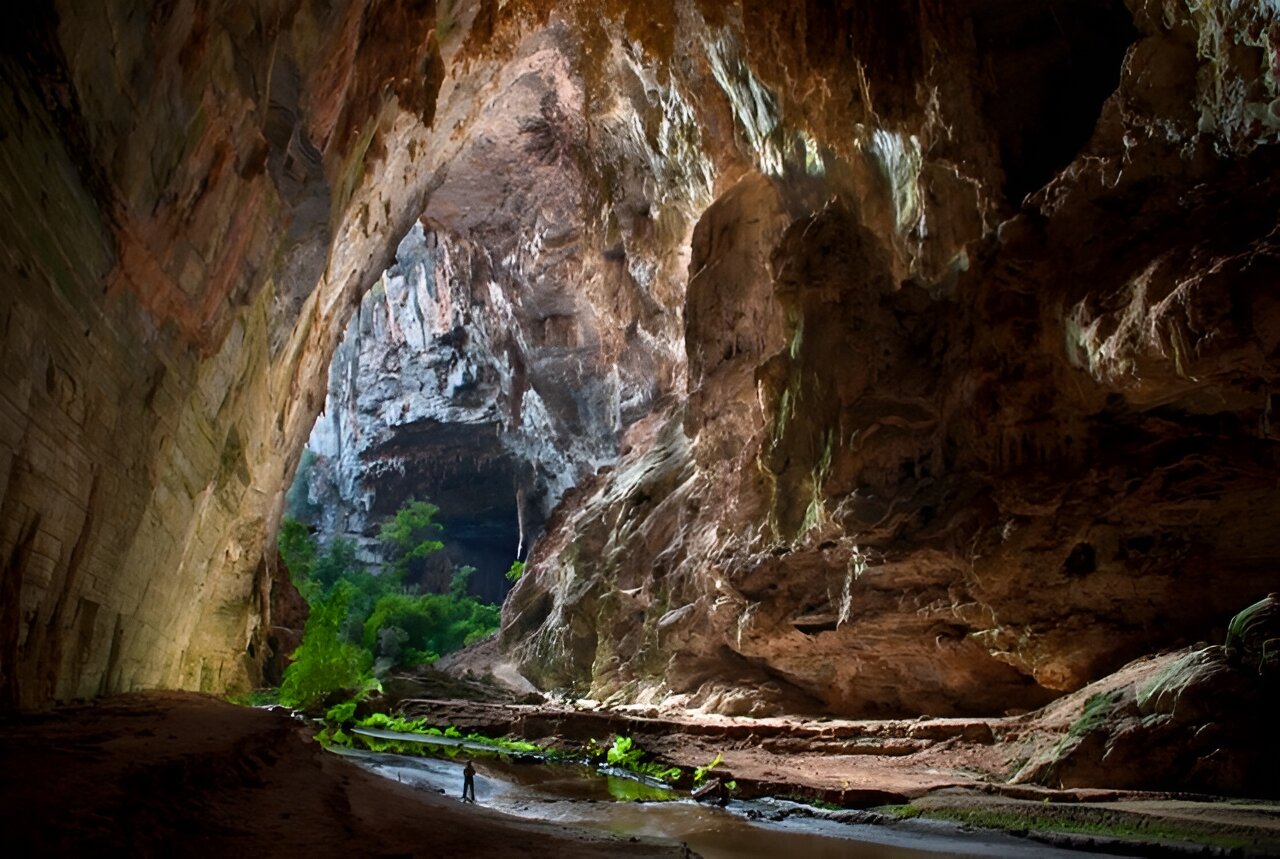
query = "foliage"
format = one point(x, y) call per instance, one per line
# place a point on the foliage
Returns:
point(515, 571)
point(393, 723)
point(297, 548)
point(461, 578)
point(403, 725)
point(433, 623)
point(325, 660)
point(341, 714)
point(700, 773)
point(409, 536)
point(625, 754)
point(1096, 710)
point(357, 614)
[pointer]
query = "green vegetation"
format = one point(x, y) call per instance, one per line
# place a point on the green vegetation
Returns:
point(700, 773)
point(410, 536)
point(1090, 822)
point(343, 717)
point(515, 571)
point(625, 754)
point(363, 623)
point(325, 660)
point(1096, 710)
point(622, 753)
point(412, 629)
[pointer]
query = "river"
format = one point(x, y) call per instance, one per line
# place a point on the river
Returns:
point(577, 795)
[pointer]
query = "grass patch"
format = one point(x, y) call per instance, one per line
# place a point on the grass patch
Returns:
point(1096, 709)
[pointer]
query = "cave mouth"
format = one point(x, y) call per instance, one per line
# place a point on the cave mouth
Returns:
point(415, 411)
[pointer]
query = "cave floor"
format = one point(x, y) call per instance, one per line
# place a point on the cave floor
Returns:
point(947, 768)
point(183, 774)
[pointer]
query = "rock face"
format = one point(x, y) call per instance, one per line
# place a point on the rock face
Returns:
point(939, 456)
point(189, 192)
point(1185, 718)
point(901, 360)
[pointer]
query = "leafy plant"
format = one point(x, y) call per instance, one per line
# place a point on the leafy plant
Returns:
point(434, 623)
point(393, 723)
point(625, 754)
point(515, 571)
point(700, 773)
point(458, 584)
point(357, 614)
point(410, 535)
point(297, 548)
point(325, 661)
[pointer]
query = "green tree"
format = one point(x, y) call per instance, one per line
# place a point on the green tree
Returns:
point(435, 624)
point(297, 548)
point(326, 660)
point(515, 571)
point(409, 536)
point(458, 584)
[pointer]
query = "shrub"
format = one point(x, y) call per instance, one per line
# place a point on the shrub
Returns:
point(434, 623)
point(297, 548)
point(409, 536)
point(325, 660)
point(515, 571)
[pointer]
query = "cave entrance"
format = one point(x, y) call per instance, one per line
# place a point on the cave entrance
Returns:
point(497, 360)
point(418, 409)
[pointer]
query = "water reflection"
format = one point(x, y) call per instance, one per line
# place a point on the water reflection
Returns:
point(577, 795)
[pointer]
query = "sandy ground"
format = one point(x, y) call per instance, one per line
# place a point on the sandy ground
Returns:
point(180, 774)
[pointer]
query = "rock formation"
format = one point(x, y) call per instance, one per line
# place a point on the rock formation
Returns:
point(883, 358)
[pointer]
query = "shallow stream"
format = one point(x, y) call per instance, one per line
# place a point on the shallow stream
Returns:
point(578, 795)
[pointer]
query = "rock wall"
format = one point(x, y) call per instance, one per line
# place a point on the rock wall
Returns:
point(942, 453)
point(531, 315)
point(194, 196)
point(891, 436)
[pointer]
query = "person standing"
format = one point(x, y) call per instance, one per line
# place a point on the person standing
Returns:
point(468, 783)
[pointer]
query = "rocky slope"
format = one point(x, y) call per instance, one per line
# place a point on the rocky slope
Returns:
point(891, 436)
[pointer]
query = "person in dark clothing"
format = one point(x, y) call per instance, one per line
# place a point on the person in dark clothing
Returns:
point(468, 783)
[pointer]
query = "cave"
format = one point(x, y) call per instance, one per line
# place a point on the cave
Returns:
point(829, 365)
